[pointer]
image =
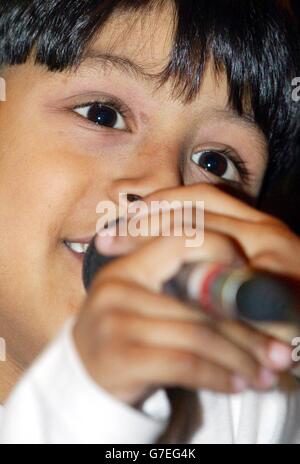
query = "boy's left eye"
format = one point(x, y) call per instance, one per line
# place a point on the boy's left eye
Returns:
point(102, 115)
point(217, 164)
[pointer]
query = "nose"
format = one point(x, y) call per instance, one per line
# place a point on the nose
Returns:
point(132, 197)
point(137, 186)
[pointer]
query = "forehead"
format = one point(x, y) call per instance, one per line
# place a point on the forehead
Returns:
point(138, 46)
point(146, 36)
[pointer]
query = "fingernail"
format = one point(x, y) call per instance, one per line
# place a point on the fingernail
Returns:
point(267, 379)
point(239, 384)
point(280, 355)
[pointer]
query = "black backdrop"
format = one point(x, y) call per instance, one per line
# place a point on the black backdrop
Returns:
point(284, 200)
point(296, 5)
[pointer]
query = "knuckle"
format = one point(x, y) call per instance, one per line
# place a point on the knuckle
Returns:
point(187, 364)
point(247, 364)
point(260, 344)
point(113, 324)
point(223, 243)
point(267, 260)
point(109, 291)
point(201, 333)
point(226, 244)
point(278, 235)
point(275, 233)
point(275, 223)
point(258, 341)
point(135, 356)
point(206, 189)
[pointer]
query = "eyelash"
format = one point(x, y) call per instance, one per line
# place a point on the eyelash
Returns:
point(124, 111)
point(109, 102)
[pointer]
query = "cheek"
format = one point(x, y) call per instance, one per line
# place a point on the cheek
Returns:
point(37, 191)
point(39, 186)
point(40, 176)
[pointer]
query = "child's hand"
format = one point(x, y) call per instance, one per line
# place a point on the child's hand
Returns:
point(133, 340)
point(265, 242)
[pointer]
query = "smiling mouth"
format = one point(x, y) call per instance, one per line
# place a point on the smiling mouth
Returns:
point(78, 249)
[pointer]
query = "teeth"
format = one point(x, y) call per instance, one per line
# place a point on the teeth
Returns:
point(77, 247)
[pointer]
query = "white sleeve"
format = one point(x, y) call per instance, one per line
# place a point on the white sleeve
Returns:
point(58, 402)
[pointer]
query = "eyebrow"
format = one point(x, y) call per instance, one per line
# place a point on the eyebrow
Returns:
point(120, 63)
point(245, 120)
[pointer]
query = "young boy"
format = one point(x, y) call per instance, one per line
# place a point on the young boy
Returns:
point(157, 100)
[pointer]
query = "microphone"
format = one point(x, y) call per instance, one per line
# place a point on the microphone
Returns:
point(226, 292)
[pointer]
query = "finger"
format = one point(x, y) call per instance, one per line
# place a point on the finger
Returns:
point(215, 200)
point(138, 300)
point(215, 247)
point(199, 339)
point(122, 239)
point(253, 237)
point(268, 351)
point(271, 247)
point(163, 367)
point(258, 240)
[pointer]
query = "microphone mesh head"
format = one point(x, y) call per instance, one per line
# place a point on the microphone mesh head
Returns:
point(263, 298)
point(93, 261)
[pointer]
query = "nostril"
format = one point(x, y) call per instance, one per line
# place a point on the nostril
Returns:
point(132, 197)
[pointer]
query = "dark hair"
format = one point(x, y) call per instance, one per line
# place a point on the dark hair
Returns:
point(254, 42)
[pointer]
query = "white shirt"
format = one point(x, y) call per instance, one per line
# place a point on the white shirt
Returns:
point(57, 402)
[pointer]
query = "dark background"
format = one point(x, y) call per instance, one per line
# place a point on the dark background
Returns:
point(284, 199)
point(296, 6)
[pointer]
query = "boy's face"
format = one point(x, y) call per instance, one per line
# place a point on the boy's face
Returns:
point(56, 165)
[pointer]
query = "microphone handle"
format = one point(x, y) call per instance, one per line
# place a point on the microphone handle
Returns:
point(262, 300)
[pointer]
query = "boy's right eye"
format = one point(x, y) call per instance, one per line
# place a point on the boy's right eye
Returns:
point(102, 115)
